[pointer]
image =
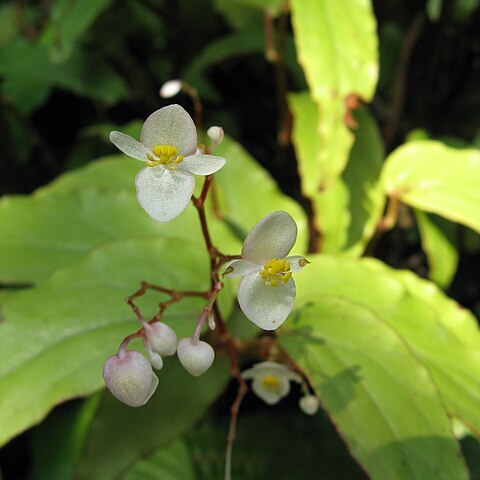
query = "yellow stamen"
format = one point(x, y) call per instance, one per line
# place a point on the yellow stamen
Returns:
point(275, 271)
point(166, 155)
point(270, 382)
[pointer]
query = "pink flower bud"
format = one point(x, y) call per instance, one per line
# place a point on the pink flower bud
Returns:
point(130, 378)
point(215, 134)
point(161, 338)
point(195, 355)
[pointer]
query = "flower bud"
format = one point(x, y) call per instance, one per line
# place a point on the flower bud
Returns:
point(215, 134)
point(309, 404)
point(211, 322)
point(170, 89)
point(130, 378)
point(155, 359)
point(195, 355)
point(161, 338)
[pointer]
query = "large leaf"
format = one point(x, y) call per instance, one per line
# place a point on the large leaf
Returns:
point(337, 48)
point(170, 463)
point(346, 213)
point(442, 335)
point(120, 435)
point(55, 337)
point(430, 176)
point(381, 398)
point(438, 238)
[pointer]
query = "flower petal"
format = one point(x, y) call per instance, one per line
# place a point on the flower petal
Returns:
point(271, 396)
point(202, 164)
point(170, 125)
point(238, 268)
point(272, 237)
point(163, 193)
point(264, 305)
point(297, 263)
point(129, 146)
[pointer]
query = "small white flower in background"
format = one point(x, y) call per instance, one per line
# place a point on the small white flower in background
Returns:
point(170, 89)
point(196, 356)
point(266, 291)
point(271, 381)
point(130, 378)
point(309, 404)
point(168, 142)
point(215, 134)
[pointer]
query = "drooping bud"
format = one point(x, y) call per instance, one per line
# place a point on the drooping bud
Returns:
point(309, 404)
point(211, 322)
point(130, 378)
point(161, 338)
point(155, 359)
point(215, 134)
point(196, 356)
point(170, 89)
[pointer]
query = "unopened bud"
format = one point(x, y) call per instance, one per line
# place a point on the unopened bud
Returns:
point(195, 355)
point(155, 359)
point(309, 404)
point(215, 134)
point(170, 89)
point(130, 378)
point(161, 338)
point(211, 322)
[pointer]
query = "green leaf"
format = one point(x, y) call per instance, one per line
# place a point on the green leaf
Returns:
point(120, 435)
point(236, 205)
point(70, 21)
point(56, 337)
point(337, 48)
point(347, 211)
point(381, 398)
point(438, 179)
point(438, 238)
point(170, 463)
point(442, 335)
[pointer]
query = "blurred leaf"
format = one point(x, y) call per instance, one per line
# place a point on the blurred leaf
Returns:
point(28, 70)
point(237, 206)
point(337, 48)
point(58, 441)
point(471, 451)
point(273, 6)
point(239, 16)
point(8, 24)
point(442, 335)
point(433, 177)
point(438, 238)
point(55, 337)
point(120, 435)
point(379, 395)
point(170, 463)
point(347, 211)
point(70, 20)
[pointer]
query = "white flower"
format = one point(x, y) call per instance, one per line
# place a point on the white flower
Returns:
point(161, 338)
point(215, 134)
point(168, 142)
point(130, 378)
point(309, 404)
point(170, 89)
point(271, 381)
point(266, 291)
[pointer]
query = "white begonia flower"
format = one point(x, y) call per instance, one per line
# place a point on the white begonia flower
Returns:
point(168, 142)
point(309, 404)
point(130, 378)
point(266, 291)
point(271, 381)
point(215, 134)
point(161, 338)
point(170, 89)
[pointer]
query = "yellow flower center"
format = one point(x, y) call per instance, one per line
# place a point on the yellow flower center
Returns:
point(275, 271)
point(270, 382)
point(167, 155)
